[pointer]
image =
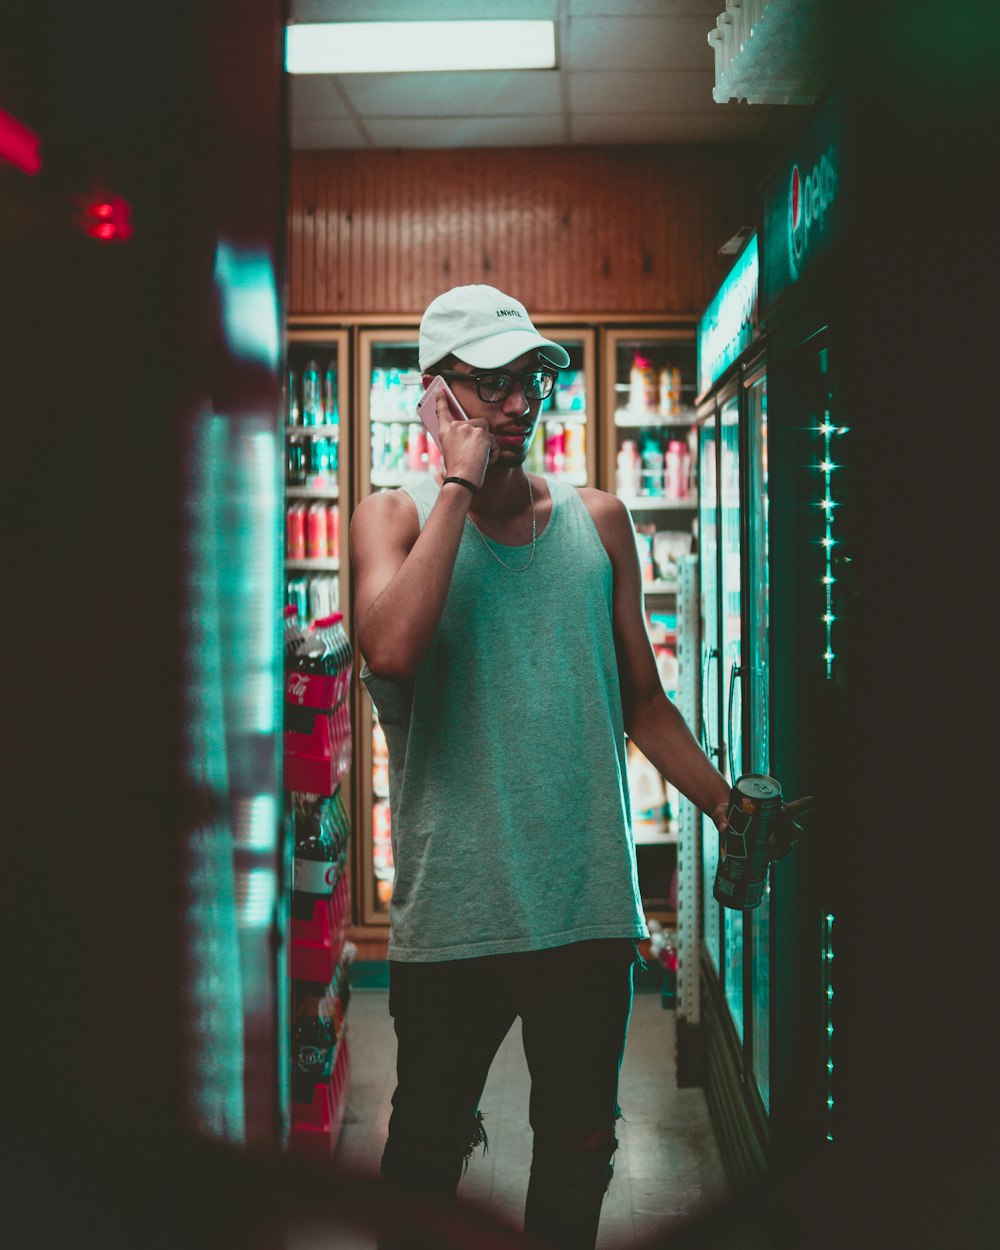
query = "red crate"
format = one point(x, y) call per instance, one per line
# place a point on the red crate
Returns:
point(315, 1126)
point(318, 943)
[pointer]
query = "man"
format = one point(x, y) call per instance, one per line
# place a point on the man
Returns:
point(500, 617)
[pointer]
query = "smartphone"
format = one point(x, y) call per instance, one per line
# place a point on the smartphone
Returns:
point(427, 406)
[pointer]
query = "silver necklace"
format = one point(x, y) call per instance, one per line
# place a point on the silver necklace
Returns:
point(482, 538)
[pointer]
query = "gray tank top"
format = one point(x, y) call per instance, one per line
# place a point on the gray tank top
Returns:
point(507, 777)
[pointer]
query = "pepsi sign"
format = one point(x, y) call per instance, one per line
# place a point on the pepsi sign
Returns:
point(802, 211)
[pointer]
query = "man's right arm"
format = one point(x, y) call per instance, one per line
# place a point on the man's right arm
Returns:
point(402, 574)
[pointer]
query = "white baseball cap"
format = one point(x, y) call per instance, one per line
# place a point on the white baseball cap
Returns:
point(483, 327)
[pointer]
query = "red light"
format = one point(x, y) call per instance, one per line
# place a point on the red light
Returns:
point(19, 145)
point(107, 219)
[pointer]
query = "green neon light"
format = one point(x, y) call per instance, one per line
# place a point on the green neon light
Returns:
point(827, 466)
point(827, 956)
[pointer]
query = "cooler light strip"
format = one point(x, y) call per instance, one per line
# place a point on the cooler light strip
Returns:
point(828, 503)
point(828, 1019)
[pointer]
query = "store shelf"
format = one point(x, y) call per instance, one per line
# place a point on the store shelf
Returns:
point(314, 431)
point(317, 564)
point(654, 837)
point(654, 503)
point(659, 588)
point(313, 492)
point(627, 420)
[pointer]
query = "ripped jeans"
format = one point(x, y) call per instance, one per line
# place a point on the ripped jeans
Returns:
point(450, 1019)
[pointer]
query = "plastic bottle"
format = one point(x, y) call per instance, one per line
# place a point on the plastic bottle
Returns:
point(666, 392)
point(294, 413)
point(642, 385)
point(628, 474)
point(674, 484)
point(331, 415)
point(312, 405)
point(314, 866)
point(295, 472)
point(313, 1046)
point(293, 631)
point(652, 466)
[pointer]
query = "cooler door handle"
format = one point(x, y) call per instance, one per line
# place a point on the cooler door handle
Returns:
point(710, 654)
point(735, 671)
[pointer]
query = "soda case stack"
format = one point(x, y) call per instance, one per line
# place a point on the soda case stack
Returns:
point(317, 737)
point(317, 673)
point(319, 963)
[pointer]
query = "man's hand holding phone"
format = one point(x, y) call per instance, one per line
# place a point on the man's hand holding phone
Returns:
point(466, 444)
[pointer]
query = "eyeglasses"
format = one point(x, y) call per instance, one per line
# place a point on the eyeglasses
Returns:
point(493, 388)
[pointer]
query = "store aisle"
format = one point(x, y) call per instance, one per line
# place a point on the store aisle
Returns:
point(668, 1165)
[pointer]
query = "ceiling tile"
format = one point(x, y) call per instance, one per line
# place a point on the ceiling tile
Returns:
point(318, 133)
point(646, 128)
point(641, 91)
point(315, 95)
point(481, 94)
point(647, 8)
point(637, 43)
point(419, 10)
point(448, 132)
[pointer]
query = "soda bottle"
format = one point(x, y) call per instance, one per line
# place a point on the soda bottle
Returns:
point(314, 871)
point(313, 1045)
point(296, 462)
point(294, 415)
point(294, 633)
point(331, 416)
point(297, 596)
point(312, 408)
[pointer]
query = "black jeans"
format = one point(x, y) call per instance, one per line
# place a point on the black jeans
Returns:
point(450, 1018)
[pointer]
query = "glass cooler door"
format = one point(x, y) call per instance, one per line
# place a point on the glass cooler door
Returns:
point(708, 556)
point(732, 762)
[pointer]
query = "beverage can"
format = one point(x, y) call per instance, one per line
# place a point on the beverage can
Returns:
point(744, 853)
point(333, 531)
point(316, 539)
point(297, 594)
point(295, 531)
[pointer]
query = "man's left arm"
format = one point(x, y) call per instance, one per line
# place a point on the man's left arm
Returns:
point(651, 720)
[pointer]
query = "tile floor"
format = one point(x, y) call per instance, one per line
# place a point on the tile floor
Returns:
point(667, 1167)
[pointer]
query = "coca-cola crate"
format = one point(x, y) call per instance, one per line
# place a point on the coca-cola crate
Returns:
point(318, 943)
point(317, 761)
point(317, 690)
point(315, 1126)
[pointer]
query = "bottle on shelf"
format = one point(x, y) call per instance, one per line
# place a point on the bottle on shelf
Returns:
point(642, 389)
point(575, 436)
point(331, 417)
point(293, 632)
point(294, 414)
point(652, 466)
point(675, 483)
point(315, 863)
point(666, 391)
point(312, 405)
point(629, 469)
point(295, 461)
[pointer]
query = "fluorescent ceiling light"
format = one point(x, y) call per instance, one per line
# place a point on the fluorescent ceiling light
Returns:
point(408, 47)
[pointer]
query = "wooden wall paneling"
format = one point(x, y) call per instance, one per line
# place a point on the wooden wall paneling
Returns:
point(570, 231)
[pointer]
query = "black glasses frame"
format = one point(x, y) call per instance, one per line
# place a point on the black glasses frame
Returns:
point(545, 389)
